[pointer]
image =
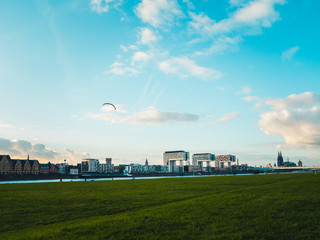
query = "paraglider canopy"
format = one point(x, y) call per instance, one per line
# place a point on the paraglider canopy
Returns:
point(110, 105)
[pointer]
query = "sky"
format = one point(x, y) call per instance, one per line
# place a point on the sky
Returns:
point(234, 77)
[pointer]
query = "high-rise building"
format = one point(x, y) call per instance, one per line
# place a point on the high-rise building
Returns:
point(170, 158)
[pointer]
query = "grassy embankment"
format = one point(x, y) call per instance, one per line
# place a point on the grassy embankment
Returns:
point(283, 206)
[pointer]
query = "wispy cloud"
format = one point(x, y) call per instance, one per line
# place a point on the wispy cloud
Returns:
point(185, 67)
point(288, 54)
point(151, 115)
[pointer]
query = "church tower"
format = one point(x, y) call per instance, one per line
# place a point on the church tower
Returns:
point(280, 159)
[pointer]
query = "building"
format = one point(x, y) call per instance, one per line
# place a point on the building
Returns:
point(90, 165)
point(299, 163)
point(53, 169)
point(105, 168)
point(143, 169)
point(170, 158)
point(289, 164)
point(93, 165)
point(18, 166)
point(193, 168)
point(224, 161)
point(203, 160)
point(62, 167)
point(44, 168)
point(84, 166)
point(73, 170)
point(109, 161)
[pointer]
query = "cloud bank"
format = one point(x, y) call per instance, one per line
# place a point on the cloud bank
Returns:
point(20, 149)
point(296, 118)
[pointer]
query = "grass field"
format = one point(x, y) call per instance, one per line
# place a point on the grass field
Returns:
point(280, 206)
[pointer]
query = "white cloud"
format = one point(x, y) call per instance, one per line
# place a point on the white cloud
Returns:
point(140, 57)
point(288, 54)
point(184, 67)
point(238, 2)
point(201, 22)
point(119, 108)
point(10, 126)
point(293, 101)
point(189, 4)
point(259, 12)
point(131, 47)
point(119, 68)
point(151, 116)
point(158, 13)
point(102, 6)
point(147, 36)
point(229, 117)
point(255, 14)
point(298, 127)
point(295, 118)
point(251, 98)
point(244, 90)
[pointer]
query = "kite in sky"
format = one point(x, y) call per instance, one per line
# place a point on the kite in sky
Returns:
point(110, 105)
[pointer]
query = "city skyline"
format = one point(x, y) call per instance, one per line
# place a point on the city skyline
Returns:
point(225, 77)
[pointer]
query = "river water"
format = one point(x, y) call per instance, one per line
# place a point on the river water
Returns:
point(108, 179)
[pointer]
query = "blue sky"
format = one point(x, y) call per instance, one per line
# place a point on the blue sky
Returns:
point(227, 76)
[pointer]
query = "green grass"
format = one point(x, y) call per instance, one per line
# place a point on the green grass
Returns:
point(282, 206)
